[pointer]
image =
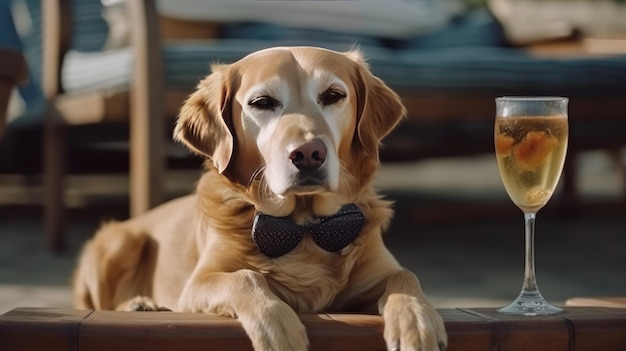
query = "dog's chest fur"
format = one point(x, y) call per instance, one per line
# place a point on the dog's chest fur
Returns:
point(308, 278)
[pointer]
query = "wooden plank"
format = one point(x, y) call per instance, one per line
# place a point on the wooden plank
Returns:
point(467, 331)
point(578, 329)
point(40, 329)
point(106, 330)
point(519, 333)
point(598, 329)
point(336, 332)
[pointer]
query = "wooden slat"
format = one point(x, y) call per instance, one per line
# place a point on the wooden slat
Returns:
point(109, 106)
point(93, 107)
point(598, 329)
point(524, 333)
point(105, 330)
point(344, 331)
point(147, 114)
point(467, 331)
point(41, 329)
point(55, 168)
point(56, 38)
point(579, 329)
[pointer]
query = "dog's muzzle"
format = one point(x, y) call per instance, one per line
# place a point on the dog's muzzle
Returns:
point(309, 159)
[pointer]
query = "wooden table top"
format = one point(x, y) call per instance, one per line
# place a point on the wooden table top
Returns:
point(578, 328)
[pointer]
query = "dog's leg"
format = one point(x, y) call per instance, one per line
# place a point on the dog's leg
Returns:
point(107, 265)
point(269, 322)
point(411, 322)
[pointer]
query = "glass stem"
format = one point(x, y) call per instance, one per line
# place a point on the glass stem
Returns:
point(530, 279)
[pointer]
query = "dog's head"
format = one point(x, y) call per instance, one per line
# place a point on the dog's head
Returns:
point(301, 121)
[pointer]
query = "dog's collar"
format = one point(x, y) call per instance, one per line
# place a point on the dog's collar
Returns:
point(277, 236)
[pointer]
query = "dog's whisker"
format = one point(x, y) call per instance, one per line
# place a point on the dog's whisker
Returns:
point(256, 174)
point(262, 189)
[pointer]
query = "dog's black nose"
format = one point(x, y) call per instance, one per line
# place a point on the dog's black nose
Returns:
point(309, 156)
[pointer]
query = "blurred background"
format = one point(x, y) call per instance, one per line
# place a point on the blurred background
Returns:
point(89, 92)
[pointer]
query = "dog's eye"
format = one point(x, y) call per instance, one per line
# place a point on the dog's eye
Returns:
point(264, 103)
point(331, 96)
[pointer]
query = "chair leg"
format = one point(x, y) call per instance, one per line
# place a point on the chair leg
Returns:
point(146, 168)
point(147, 120)
point(54, 169)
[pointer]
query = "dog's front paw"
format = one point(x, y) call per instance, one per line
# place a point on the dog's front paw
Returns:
point(412, 324)
point(140, 303)
point(275, 327)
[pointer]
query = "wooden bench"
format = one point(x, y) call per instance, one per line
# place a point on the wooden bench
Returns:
point(580, 329)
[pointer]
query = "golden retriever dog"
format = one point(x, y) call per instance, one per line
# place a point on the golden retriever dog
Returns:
point(285, 218)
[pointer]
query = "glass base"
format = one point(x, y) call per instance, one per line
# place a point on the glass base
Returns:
point(530, 305)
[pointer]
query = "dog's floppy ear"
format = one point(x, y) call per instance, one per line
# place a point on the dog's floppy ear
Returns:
point(379, 108)
point(205, 123)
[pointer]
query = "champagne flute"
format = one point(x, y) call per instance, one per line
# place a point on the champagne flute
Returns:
point(531, 142)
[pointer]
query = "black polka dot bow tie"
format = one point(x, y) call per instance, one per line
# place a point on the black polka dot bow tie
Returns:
point(276, 236)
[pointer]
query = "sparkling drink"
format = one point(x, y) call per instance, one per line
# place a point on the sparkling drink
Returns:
point(531, 140)
point(530, 153)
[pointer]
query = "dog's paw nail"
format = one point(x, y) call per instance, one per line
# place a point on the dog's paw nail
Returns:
point(145, 307)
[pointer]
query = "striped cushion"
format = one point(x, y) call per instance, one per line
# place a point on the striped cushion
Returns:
point(503, 69)
point(466, 55)
point(488, 68)
point(89, 30)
